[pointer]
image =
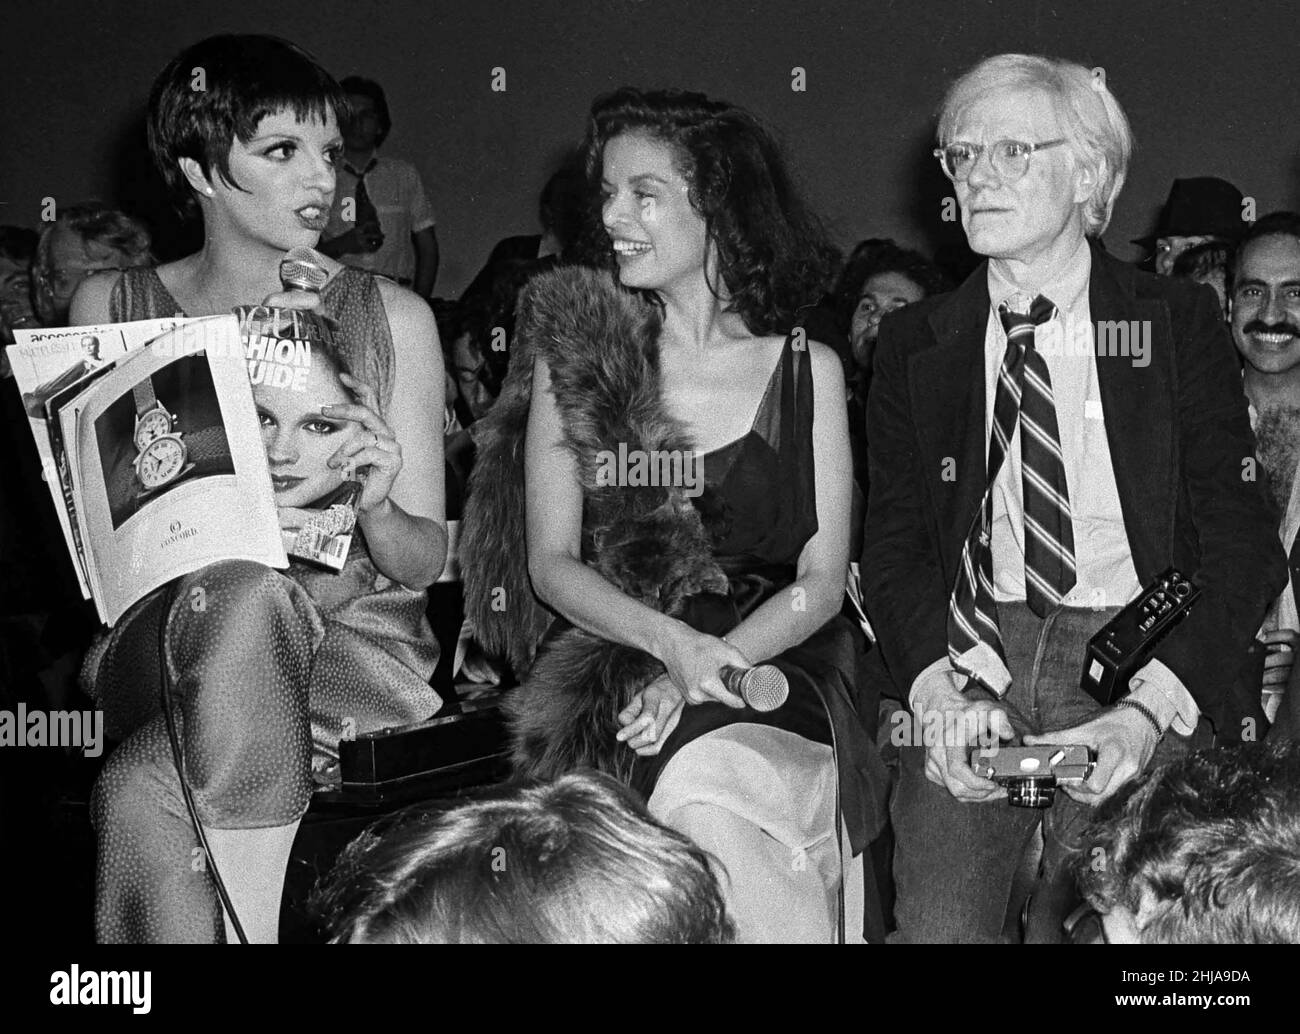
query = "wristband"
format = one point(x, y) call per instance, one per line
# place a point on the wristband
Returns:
point(1145, 712)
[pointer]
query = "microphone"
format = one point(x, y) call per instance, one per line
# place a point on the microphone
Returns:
point(304, 269)
point(763, 688)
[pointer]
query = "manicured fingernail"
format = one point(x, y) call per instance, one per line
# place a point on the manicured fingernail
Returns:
point(326, 409)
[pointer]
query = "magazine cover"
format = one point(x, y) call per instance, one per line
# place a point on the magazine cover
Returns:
point(280, 346)
point(45, 364)
point(169, 472)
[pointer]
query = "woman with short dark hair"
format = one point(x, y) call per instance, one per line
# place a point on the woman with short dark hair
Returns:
point(275, 667)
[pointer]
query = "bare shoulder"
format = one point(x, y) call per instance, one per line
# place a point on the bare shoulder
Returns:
point(826, 366)
point(92, 301)
point(406, 309)
point(416, 348)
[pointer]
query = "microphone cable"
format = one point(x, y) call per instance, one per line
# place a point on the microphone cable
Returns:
point(164, 680)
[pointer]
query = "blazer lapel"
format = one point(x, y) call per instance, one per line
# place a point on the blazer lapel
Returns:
point(947, 386)
point(1138, 405)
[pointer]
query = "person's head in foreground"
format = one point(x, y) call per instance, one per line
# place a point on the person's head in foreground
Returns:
point(1205, 851)
point(578, 860)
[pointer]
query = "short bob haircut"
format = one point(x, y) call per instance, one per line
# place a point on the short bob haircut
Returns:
point(773, 254)
point(578, 860)
point(1090, 116)
point(218, 90)
point(362, 87)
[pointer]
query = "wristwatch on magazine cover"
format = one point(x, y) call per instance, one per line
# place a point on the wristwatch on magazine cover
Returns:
point(161, 451)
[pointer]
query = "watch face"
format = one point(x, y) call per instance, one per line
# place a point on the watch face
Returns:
point(161, 461)
point(154, 424)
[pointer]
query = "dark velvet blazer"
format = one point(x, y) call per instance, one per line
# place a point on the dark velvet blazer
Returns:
point(1180, 443)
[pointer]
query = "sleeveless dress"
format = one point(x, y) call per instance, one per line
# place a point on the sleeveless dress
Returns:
point(768, 778)
point(269, 670)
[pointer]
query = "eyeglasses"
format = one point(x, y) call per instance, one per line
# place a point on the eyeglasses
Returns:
point(1009, 158)
point(65, 281)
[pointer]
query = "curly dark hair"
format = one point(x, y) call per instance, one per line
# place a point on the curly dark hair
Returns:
point(773, 252)
point(878, 255)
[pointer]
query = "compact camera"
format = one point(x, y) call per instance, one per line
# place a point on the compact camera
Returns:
point(1031, 774)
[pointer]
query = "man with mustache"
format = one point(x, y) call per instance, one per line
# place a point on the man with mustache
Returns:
point(1265, 306)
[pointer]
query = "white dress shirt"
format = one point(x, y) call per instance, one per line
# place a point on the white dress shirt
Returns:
point(402, 204)
point(1105, 573)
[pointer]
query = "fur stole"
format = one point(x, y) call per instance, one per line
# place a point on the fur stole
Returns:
point(600, 344)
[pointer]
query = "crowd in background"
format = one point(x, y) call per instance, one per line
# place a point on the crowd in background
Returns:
point(382, 220)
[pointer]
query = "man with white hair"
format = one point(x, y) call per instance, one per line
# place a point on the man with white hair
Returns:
point(83, 240)
point(1024, 492)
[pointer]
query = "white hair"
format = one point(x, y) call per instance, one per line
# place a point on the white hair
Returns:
point(1093, 121)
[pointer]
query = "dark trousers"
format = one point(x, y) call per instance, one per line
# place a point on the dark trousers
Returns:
point(955, 862)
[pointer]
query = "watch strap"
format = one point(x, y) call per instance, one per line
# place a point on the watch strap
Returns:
point(145, 399)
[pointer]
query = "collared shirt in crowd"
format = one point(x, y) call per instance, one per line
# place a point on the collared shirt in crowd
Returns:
point(399, 197)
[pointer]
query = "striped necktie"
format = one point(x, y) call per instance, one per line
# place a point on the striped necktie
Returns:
point(1024, 397)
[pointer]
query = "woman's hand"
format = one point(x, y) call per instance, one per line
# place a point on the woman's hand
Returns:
point(651, 717)
point(374, 445)
point(293, 518)
point(306, 300)
point(694, 661)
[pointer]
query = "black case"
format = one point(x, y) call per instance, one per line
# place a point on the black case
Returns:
point(1128, 640)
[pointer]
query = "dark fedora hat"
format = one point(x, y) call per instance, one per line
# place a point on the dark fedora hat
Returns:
point(1204, 206)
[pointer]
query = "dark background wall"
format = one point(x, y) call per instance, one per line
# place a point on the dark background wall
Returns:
point(1211, 89)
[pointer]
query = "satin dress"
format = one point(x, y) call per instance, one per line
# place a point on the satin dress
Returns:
point(268, 670)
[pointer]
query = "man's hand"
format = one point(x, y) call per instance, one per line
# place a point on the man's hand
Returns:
point(1124, 741)
point(966, 724)
point(1281, 644)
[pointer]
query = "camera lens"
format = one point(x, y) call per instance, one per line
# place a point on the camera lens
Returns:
point(1032, 792)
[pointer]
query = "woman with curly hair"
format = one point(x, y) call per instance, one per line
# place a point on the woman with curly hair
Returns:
point(715, 253)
